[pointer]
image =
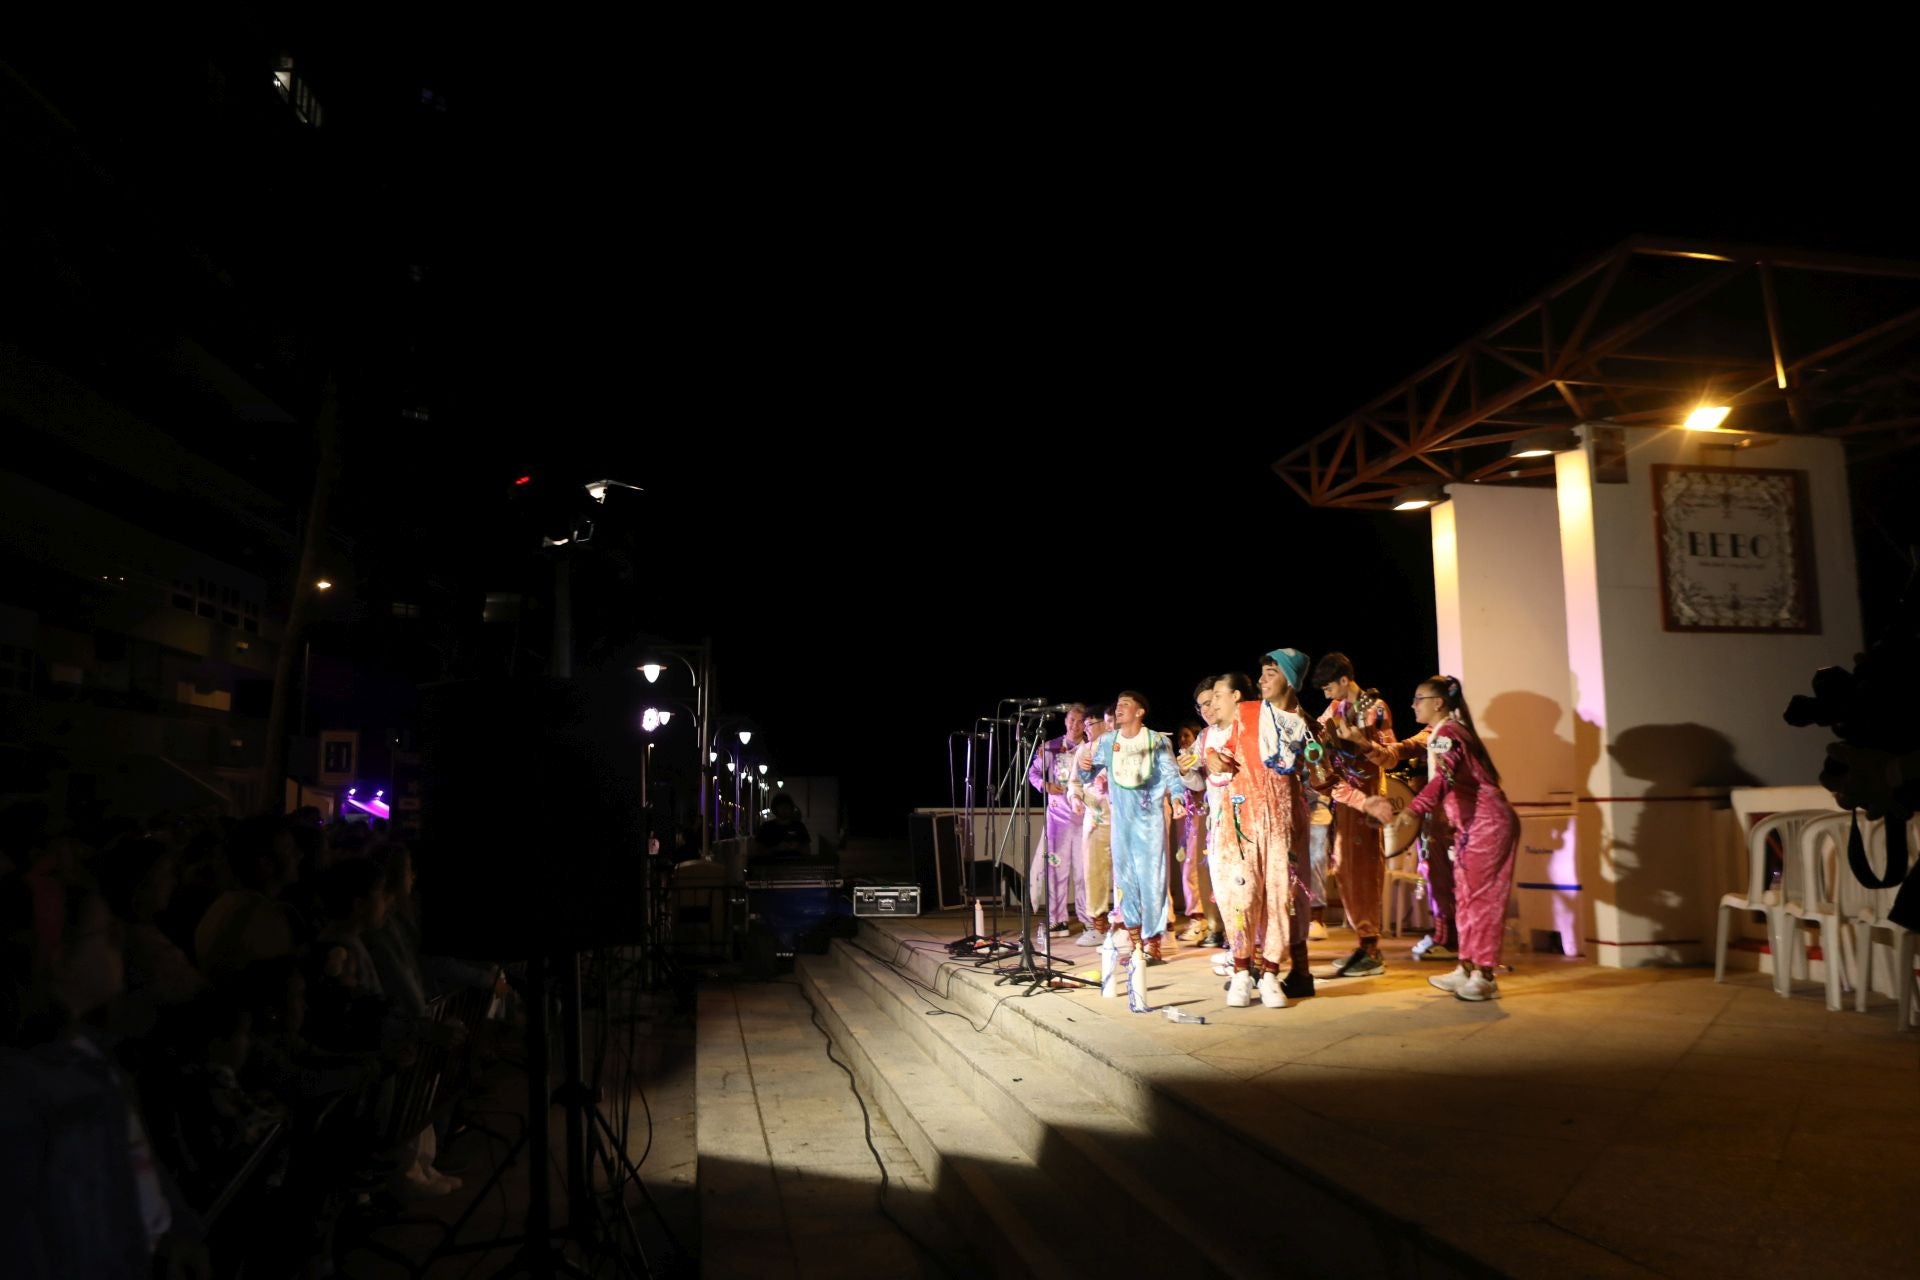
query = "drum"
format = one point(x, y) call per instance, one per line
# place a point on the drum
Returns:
point(1405, 827)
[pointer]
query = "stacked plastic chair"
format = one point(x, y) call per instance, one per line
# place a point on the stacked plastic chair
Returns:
point(1760, 894)
point(1866, 910)
point(1814, 866)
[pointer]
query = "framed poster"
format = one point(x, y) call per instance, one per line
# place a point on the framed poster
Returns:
point(1735, 550)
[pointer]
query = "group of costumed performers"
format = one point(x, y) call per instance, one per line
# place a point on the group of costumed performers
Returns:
point(1235, 823)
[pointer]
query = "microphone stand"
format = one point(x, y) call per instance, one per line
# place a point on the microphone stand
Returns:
point(1037, 972)
point(1012, 785)
point(976, 942)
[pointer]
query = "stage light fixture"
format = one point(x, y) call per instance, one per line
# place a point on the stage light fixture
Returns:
point(1541, 444)
point(1419, 497)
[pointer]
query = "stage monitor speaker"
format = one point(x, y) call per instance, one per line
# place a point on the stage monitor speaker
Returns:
point(533, 837)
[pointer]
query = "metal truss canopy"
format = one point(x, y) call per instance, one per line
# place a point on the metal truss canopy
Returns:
point(1794, 342)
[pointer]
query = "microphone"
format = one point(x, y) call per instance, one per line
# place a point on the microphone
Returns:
point(1057, 709)
point(1031, 702)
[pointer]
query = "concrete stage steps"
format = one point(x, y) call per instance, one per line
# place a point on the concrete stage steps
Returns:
point(1058, 1127)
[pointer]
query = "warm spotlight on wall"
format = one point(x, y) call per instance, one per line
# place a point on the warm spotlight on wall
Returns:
point(1707, 417)
point(1419, 497)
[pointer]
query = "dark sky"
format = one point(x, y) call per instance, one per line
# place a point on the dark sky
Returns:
point(931, 413)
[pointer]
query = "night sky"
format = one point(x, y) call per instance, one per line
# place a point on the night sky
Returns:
point(932, 407)
point(922, 430)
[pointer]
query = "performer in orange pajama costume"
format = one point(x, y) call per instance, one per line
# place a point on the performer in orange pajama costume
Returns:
point(1253, 854)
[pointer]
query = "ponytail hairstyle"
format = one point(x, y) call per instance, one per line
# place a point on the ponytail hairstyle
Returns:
point(1455, 704)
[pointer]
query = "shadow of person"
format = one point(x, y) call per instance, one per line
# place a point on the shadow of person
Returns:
point(1663, 870)
point(1521, 731)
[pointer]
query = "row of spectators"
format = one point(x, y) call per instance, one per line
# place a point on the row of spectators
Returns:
point(195, 1008)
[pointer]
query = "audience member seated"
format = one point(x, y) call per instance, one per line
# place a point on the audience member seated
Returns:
point(346, 1006)
point(218, 1123)
point(80, 1192)
point(250, 923)
point(200, 877)
point(274, 993)
point(136, 879)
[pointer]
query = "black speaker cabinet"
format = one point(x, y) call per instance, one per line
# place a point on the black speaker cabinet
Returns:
point(533, 837)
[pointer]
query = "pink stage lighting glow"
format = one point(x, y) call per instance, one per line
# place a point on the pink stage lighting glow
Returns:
point(378, 808)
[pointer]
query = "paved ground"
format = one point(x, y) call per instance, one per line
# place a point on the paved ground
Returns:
point(1689, 1127)
point(788, 1185)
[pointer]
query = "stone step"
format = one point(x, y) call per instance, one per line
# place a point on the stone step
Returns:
point(1166, 1203)
point(1010, 1212)
point(1299, 1190)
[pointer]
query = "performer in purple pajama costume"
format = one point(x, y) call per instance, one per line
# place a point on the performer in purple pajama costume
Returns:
point(1063, 850)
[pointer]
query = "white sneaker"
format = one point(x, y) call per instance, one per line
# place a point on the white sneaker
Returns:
point(1223, 965)
point(1423, 946)
point(1450, 981)
point(1478, 987)
point(1091, 938)
point(1240, 994)
point(1270, 993)
point(1137, 982)
point(1316, 932)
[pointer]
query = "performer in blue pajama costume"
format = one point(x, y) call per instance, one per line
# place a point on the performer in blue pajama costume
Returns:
point(1141, 778)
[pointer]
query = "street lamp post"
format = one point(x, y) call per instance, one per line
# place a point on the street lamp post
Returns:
point(702, 676)
point(737, 765)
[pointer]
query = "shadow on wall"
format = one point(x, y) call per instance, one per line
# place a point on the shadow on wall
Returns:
point(1663, 870)
point(1535, 762)
point(1518, 728)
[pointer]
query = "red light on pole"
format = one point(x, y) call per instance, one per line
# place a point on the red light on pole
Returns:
point(523, 480)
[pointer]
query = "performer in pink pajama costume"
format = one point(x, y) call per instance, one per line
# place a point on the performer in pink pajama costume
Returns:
point(1463, 783)
point(1436, 855)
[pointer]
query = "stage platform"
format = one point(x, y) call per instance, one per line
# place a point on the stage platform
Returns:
point(1593, 1122)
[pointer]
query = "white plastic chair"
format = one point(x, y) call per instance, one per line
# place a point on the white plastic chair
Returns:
point(1867, 910)
point(1759, 894)
point(1808, 892)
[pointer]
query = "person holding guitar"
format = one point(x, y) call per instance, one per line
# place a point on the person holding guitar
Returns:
point(1463, 782)
point(1355, 723)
